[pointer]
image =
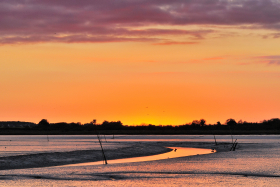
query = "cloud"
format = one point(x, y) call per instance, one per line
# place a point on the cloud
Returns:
point(24, 21)
point(271, 35)
point(176, 43)
point(270, 60)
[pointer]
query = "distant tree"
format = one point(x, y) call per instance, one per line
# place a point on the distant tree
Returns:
point(113, 125)
point(273, 123)
point(105, 123)
point(44, 124)
point(90, 126)
point(195, 124)
point(231, 122)
point(219, 123)
point(240, 122)
point(93, 122)
point(151, 127)
point(75, 126)
point(202, 122)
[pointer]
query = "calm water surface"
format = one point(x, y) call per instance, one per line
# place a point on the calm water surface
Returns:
point(255, 163)
point(23, 144)
point(174, 153)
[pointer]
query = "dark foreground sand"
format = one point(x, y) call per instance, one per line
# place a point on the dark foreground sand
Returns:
point(135, 149)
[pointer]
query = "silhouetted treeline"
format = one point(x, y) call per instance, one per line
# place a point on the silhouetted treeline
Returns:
point(196, 125)
point(16, 124)
point(231, 124)
point(92, 126)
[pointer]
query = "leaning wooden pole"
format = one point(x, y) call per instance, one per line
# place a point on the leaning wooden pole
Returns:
point(233, 145)
point(215, 140)
point(104, 157)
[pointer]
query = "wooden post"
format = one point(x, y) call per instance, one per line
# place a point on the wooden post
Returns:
point(215, 140)
point(233, 145)
point(104, 157)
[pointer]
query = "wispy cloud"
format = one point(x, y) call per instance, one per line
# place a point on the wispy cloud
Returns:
point(176, 43)
point(270, 60)
point(272, 35)
point(28, 21)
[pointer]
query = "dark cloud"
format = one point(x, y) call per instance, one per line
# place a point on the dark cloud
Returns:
point(126, 20)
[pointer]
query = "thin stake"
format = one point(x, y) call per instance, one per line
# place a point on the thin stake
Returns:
point(104, 157)
point(233, 145)
point(215, 140)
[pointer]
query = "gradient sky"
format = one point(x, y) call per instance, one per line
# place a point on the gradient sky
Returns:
point(139, 61)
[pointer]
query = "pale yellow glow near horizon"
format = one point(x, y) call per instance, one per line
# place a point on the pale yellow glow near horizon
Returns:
point(137, 82)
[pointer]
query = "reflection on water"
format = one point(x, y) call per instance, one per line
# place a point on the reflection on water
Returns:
point(11, 145)
point(175, 153)
point(253, 164)
point(22, 144)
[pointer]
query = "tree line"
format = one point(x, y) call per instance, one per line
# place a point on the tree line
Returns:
point(229, 125)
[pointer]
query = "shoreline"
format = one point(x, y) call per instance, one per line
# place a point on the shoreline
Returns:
point(138, 132)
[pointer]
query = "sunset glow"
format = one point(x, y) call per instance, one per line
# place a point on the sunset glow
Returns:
point(138, 61)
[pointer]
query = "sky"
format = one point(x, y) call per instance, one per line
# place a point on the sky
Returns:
point(139, 61)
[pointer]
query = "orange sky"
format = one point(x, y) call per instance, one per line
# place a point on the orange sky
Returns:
point(140, 71)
